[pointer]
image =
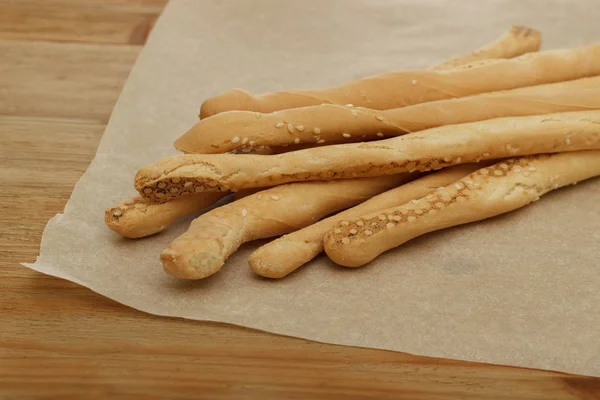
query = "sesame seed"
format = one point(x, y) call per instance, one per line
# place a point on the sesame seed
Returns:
point(198, 189)
point(374, 224)
point(368, 232)
point(345, 241)
point(161, 185)
point(379, 118)
point(439, 204)
point(176, 180)
point(160, 195)
point(244, 212)
point(390, 217)
point(337, 231)
point(414, 81)
point(320, 141)
point(459, 185)
point(147, 191)
point(498, 173)
point(397, 218)
point(504, 166)
point(379, 134)
point(458, 160)
point(174, 190)
point(414, 201)
point(353, 231)
point(316, 131)
point(567, 141)
point(477, 184)
point(279, 125)
point(531, 169)
point(346, 135)
point(290, 128)
point(485, 171)
point(117, 213)
point(297, 140)
point(360, 223)
point(403, 211)
point(246, 150)
point(419, 211)
point(382, 217)
point(486, 154)
point(188, 184)
point(447, 159)
point(235, 139)
point(389, 225)
point(252, 143)
point(275, 198)
point(300, 128)
point(349, 105)
point(410, 171)
point(431, 212)
point(344, 223)
point(245, 140)
point(354, 112)
point(411, 218)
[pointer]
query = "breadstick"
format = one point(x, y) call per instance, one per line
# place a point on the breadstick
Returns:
point(136, 218)
point(215, 235)
point(518, 40)
point(284, 255)
point(332, 123)
point(404, 88)
point(488, 192)
point(420, 151)
point(241, 132)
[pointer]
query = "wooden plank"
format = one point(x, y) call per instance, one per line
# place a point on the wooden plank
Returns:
point(42, 159)
point(65, 80)
point(115, 22)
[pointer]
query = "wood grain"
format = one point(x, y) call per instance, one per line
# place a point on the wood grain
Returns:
point(61, 341)
point(111, 21)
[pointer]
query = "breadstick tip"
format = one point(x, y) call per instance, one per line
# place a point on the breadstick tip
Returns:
point(192, 265)
point(234, 99)
point(266, 261)
point(523, 31)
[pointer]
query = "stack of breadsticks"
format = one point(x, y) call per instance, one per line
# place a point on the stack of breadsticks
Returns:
point(395, 155)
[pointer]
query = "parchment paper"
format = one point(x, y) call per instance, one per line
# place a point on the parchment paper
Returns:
point(521, 289)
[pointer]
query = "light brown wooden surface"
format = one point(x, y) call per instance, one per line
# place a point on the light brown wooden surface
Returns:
point(62, 64)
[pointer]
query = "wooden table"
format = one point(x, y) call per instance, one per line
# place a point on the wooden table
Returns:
point(62, 65)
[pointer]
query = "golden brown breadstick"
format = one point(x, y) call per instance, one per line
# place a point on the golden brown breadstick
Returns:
point(284, 255)
point(137, 218)
point(420, 151)
point(332, 123)
point(404, 88)
point(490, 191)
point(214, 236)
point(518, 40)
